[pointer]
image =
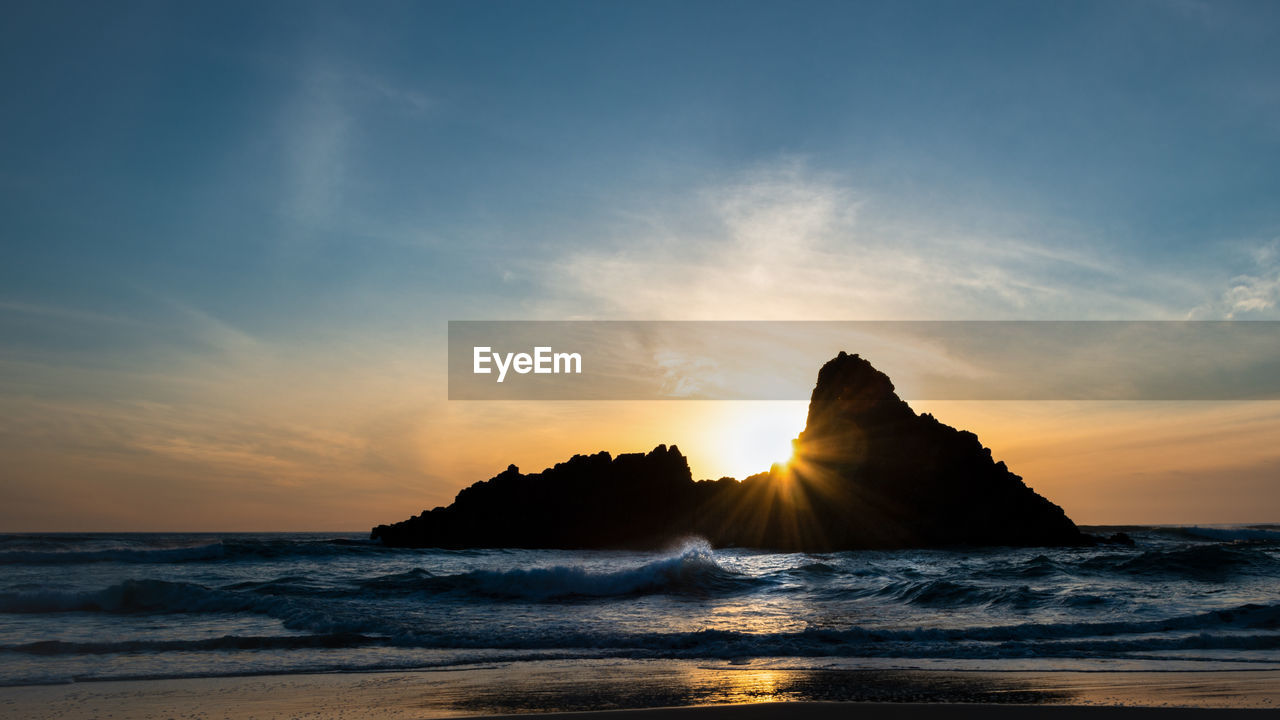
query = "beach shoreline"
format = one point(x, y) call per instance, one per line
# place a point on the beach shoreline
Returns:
point(654, 689)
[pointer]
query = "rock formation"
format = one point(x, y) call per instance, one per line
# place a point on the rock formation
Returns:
point(591, 501)
point(867, 473)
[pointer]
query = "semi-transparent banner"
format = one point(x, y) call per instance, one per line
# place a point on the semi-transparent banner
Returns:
point(927, 360)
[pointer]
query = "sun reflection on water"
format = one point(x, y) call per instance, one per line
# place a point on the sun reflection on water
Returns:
point(750, 686)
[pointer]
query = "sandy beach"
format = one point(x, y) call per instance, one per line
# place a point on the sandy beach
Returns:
point(653, 689)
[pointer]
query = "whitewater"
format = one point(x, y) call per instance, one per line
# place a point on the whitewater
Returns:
point(133, 606)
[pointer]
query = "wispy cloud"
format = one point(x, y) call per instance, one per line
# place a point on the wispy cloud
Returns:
point(318, 127)
point(1251, 295)
point(785, 242)
point(189, 406)
point(324, 125)
point(61, 313)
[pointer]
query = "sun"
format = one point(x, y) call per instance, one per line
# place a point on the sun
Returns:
point(752, 436)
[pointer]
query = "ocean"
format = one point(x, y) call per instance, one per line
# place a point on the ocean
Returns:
point(82, 607)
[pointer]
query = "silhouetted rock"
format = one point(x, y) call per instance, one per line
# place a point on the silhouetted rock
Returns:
point(867, 473)
point(1120, 538)
point(632, 500)
point(870, 473)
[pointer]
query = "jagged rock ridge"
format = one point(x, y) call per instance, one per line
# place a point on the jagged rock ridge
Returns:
point(867, 473)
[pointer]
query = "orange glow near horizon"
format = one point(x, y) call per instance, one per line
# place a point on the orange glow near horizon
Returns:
point(257, 466)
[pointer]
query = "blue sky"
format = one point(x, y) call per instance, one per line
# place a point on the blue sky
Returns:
point(252, 159)
point(207, 203)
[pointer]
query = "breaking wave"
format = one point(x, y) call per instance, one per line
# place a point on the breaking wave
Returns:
point(694, 571)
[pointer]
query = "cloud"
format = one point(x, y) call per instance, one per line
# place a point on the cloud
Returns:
point(318, 128)
point(1249, 295)
point(179, 418)
point(60, 313)
point(324, 128)
point(786, 242)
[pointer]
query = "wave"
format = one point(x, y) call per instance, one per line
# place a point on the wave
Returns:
point(1038, 567)
point(694, 571)
point(1246, 627)
point(1235, 534)
point(946, 593)
point(813, 570)
point(162, 597)
point(1019, 641)
point(226, 642)
point(62, 551)
point(197, 553)
point(136, 596)
point(1206, 563)
point(131, 596)
point(709, 644)
point(1202, 561)
point(339, 625)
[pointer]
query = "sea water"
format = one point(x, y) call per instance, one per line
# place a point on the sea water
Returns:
point(107, 606)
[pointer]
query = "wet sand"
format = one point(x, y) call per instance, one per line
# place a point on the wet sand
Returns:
point(661, 690)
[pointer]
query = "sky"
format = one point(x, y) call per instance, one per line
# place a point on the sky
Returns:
point(232, 234)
